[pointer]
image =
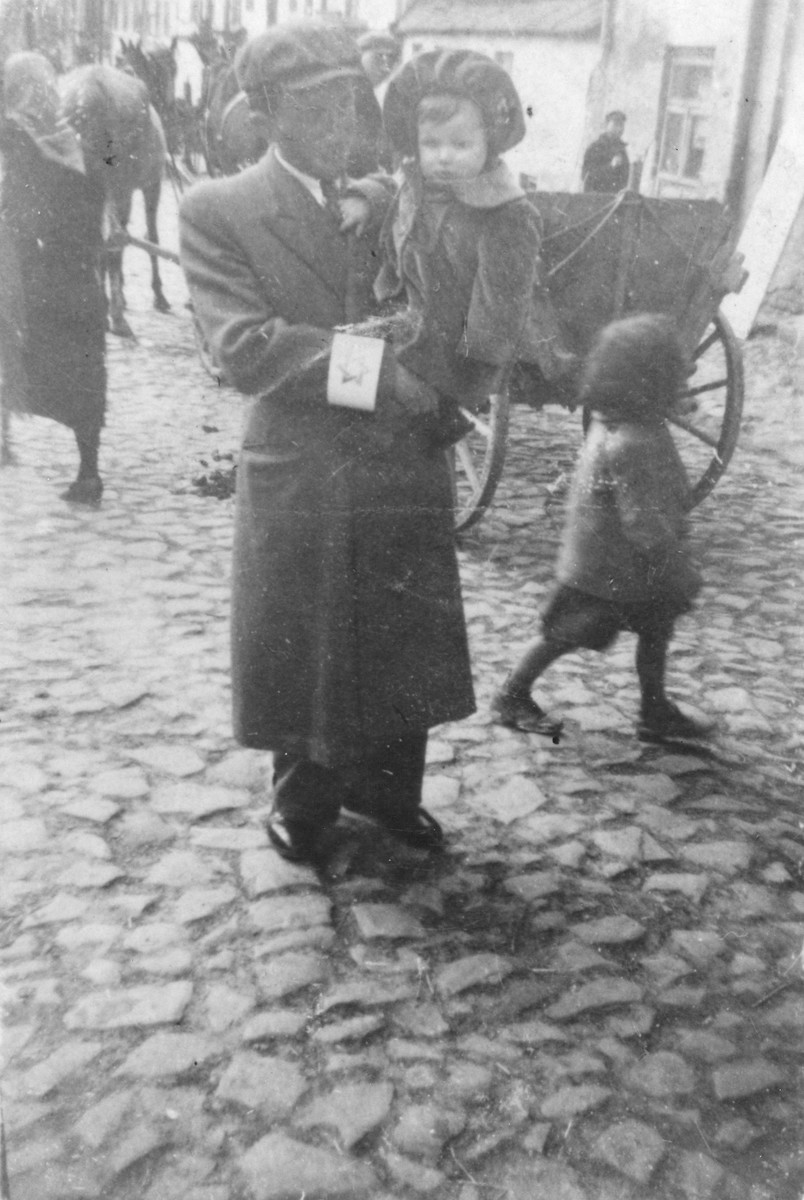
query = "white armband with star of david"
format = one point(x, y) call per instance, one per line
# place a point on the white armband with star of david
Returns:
point(354, 371)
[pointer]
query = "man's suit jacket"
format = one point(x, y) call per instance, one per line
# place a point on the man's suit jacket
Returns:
point(347, 620)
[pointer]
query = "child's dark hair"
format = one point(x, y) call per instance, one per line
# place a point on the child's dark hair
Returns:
point(635, 367)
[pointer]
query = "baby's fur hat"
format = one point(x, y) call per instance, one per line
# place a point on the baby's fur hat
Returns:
point(466, 74)
point(635, 368)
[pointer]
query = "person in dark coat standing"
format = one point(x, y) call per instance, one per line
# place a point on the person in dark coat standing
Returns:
point(52, 306)
point(348, 636)
point(605, 163)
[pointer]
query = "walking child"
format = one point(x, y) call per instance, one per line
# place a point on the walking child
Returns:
point(462, 242)
point(624, 564)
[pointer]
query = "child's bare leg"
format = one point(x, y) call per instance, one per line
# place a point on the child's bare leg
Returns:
point(533, 663)
point(513, 705)
point(660, 718)
point(651, 661)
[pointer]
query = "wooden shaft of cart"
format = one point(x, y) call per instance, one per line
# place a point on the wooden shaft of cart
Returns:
point(152, 248)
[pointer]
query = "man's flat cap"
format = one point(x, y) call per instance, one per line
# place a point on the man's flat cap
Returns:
point(463, 73)
point(616, 114)
point(297, 55)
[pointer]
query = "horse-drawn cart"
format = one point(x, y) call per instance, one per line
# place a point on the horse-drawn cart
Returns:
point(607, 257)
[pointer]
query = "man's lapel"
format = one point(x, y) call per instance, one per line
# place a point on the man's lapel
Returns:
point(304, 227)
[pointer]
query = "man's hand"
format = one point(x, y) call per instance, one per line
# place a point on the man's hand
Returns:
point(355, 214)
point(412, 395)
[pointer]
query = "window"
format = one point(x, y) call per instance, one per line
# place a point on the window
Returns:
point(685, 116)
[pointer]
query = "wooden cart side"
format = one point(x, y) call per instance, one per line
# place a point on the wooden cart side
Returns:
point(634, 254)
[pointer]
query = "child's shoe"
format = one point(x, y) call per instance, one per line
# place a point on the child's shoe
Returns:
point(668, 724)
point(520, 711)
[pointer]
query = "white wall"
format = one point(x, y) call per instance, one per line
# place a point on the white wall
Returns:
point(377, 14)
point(632, 80)
point(552, 78)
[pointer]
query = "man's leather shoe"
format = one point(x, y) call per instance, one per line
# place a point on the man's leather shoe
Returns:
point(296, 841)
point(417, 829)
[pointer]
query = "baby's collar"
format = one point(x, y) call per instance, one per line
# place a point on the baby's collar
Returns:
point(490, 189)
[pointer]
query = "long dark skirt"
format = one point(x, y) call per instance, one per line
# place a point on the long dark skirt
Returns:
point(52, 306)
point(66, 375)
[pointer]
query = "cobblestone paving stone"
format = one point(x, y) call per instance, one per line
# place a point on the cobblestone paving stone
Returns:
point(597, 994)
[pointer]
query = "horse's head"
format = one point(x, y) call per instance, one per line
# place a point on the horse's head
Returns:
point(156, 66)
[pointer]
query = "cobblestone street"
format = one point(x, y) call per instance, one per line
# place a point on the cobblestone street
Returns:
point(597, 994)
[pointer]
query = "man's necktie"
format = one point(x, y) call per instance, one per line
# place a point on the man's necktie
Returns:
point(332, 190)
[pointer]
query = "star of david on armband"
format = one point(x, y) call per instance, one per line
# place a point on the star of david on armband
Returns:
point(354, 371)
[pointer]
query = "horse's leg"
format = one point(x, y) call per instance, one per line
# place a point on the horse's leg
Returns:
point(87, 488)
point(118, 214)
point(7, 455)
point(151, 197)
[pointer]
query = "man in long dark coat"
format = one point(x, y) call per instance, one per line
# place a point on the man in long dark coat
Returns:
point(348, 634)
point(605, 163)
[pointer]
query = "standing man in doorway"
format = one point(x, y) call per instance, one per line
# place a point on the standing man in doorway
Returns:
point(380, 54)
point(605, 163)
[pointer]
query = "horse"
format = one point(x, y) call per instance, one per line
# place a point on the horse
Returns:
point(124, 145)
point(231, 139)
point(156, 66)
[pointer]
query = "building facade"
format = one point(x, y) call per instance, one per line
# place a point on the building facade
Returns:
point(710, 89)
point(67, 31)
point(707, 89)
point(163, 20)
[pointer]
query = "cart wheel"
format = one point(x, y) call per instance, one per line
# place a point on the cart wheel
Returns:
point(477, 462)
point(205, 351)
point(707, 438)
